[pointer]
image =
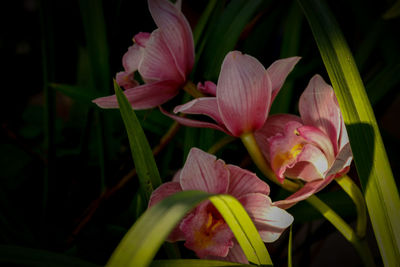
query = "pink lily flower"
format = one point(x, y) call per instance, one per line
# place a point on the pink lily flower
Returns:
point(241, 100)
point(164, 58)
point(314, 147)
point(203, 229)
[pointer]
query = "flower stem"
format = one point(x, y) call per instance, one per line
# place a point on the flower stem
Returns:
point(256, 155)
point(355, 194)
point(360, 244)
point(191, 89)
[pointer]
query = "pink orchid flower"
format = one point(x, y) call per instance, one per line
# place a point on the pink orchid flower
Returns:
point(204, 229)
point(314, 147)
point(163, 58)
point(241, 100)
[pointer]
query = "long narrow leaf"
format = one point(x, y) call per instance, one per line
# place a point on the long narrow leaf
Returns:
point(374, 171)
point(243, 228)
point(143, 240)
point(141, 152)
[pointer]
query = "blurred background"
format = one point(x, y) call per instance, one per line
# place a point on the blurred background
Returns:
point(67, 190)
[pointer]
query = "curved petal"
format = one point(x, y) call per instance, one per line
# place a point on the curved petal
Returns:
point(307, 190)
point(320, 139)
point(242, 182)
point(176, 31)
point(132, 58)
point(126, 80)
point(310, 165)
point(275, 124)
point(243, 93)
point(344, 138)
point(235, 254)
point(157, 62)
point(319, 108)
point(278, 71)
point(269, 220)
point(204, 105)
point(163, 191)
point(144, 96)
point(342, 162)
point(141, 38)
point(195, 123)
point(202, 171)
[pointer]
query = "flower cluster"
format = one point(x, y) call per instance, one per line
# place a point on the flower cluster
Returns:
point(312, 148)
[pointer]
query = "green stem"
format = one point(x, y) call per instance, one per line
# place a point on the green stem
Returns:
point(256, 155)
point(359, 244)
point(355, 194)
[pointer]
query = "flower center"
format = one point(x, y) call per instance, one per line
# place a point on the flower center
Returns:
point(204, 236)
point(284, 157)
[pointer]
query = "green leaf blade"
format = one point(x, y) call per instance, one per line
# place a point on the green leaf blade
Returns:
point(370, 157)
point(145, 164)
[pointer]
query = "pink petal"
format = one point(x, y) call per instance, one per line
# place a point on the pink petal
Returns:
point(310, 165)
point(284, 149)
point(204, 105)
point(307, 190)
point(132, 58)
point(206, 232)
point(202, 171)
point(176, 31)
point(235, 254)
point(344, 138)
point(269, 220)
point(242, 182)
point(208, 88)
point(342, 162)
point(275, 124)
point(163, 191)
point(126, 80)
point(157, 62)
point(144, 96)
point(319, 108)
point(195, 123)
point(243, 93)
point(319, 139)
point(141, 38)
point(278, 71)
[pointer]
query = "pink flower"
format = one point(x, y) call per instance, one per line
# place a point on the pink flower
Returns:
point(204, 229)
point(314, 148)
point(241, 100)
point(163, 58)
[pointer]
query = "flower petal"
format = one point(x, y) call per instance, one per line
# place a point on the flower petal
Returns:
point(195, 123)
point(144, 96)
point(310, 165)
point(269, 220)
point(157, 62)
point(204, 105)
point(320, 139)
point(278, 71)
point(243, 93)
point(275, 124)
point(307, 190)
point(319, 108)
point(176, 32)
point(202, 171)
point(342, 162)
point(235, 254)
point(242, 182)
point(163, 191)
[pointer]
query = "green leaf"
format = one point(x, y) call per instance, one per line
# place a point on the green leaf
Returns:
point(243, 228)
point(145, 164)
point(393, 12)
point(290, 246)
point(20, 256)
point(226, 34)
point(194, 263)
point(381, 195)
point(143, 240)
